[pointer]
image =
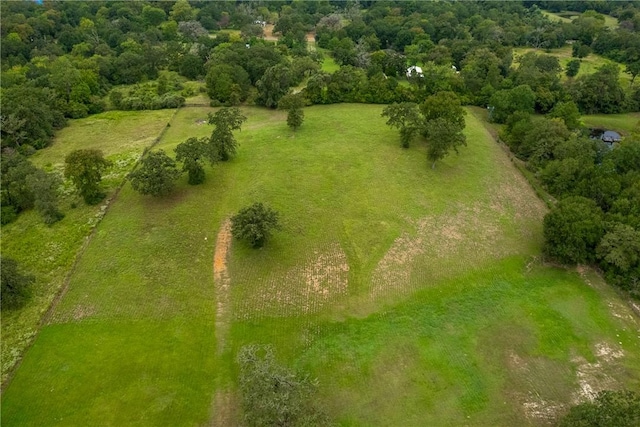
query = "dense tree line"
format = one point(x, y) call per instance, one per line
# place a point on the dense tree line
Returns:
point(597, 217)
point(60, 59)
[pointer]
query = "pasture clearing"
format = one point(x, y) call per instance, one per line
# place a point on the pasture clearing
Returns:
point(416, 296)
point(48, 252)
point(568, 16)
point(623, 123)
point(588, 65)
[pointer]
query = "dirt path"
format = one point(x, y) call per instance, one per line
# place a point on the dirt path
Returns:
point(221, 282)
point(224, 402)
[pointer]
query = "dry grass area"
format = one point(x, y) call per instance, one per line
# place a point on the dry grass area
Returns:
point(303, 289)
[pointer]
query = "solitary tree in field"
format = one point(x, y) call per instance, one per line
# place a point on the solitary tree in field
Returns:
point(84, 168)
point(14, 284)
point(442, 136)
point(254, 224)
point(406, 117)
point(191, 153)
point(293, 104)
point(443, 125)
point(274, 395)
point(156, 175)
point(222, 144)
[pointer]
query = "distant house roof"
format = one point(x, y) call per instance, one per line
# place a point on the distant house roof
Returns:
point(414, 70)
point(611, 136)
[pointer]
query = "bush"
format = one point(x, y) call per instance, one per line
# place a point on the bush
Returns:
point(14, 285)
point(610, 408)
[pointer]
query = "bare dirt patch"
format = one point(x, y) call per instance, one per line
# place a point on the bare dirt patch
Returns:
point(303, 289)
point(268, 33)
point(594, 377)
point(221, 281)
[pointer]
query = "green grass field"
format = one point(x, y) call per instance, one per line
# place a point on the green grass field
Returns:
point(588, 65)
point(568, 16)
point(329, 65)
point(623, 123)
point(416, 296)
point(49, 252)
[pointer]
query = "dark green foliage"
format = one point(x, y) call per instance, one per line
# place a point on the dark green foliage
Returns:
point(405, 117)
point(14, 286)
point(573, 67)
point(444, 105)
point(190, 153)
point(599, 92)
point(293, 104)
point(222, 144)
point(273, 85)
point(84, 168)
point(610, 408)
point(254, 224)
point(572, 230)
point(568, 112)
point(579, 50)
point(227, 83)
point(156, 95)
point(274, 395)
point(541, 139)
point(156, 174)
point(506, 102)
point(442, 136)
point(29, 116)
point(45, 190)
point(619, 254)
point(25, 187)
point(15, 190)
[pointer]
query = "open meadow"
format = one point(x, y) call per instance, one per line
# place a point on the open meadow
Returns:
point(49, 251)
point(416, 296)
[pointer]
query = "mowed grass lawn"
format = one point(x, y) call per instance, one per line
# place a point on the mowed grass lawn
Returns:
point(48, 252)
point(415, 295)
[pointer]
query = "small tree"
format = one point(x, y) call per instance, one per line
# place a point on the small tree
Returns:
point(573, 67)
point(293, 104)
point(14, 286)
point(272, 394)
point(442, 136)
point(190, 153)
point(254, 224)
point(156, 175)
point(222, 144)
point(405, 117)
point(567, 111)
point(45, 190)
point(84, 168)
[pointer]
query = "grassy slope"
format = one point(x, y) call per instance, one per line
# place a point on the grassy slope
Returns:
point(48, 252)
point(443, 314)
